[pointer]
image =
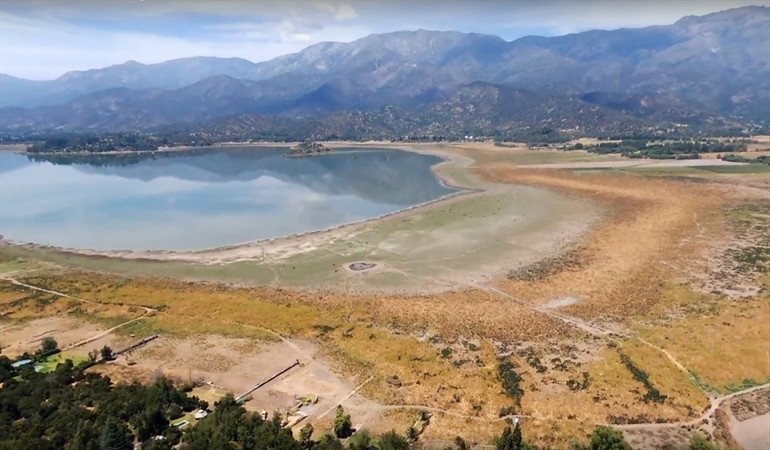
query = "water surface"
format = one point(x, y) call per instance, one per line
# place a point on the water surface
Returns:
point(202, 199)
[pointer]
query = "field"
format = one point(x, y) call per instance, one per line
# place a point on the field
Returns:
point(570, 297)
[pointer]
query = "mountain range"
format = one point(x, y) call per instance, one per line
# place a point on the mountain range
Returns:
point(712, 69)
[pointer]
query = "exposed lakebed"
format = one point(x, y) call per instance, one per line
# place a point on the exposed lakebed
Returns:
point(205, 198)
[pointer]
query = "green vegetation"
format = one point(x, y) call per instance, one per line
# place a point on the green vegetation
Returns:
point(343, 427)
point(511, 380)
point(108, 142)
point(700, 442)
point(72, 410)
point(764, 159)
point(69, 409)
point(746, 383)
point(48, 346)
point(512, 440)
point(604, 438)
point(653, 394)
point(657, 149)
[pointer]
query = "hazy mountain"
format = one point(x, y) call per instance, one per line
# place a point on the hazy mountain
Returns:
point(172, 74)
point(700, 68)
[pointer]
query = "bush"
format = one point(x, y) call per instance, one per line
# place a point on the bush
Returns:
point(511, 380)
point(608, 438)
point(343, 427)
point(49, 345)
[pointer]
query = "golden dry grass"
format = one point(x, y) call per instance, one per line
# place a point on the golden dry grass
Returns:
point(623, 261)
point(723, 346)
point(654, 231)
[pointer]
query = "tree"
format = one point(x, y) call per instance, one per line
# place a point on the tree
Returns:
point(516, 438)
point(49, 345)
point(174, 411)
point(106, 353)
point(305, 435)
point(150, 423)
point(512, 439)
point(93, 356)
point(393, 441)
point(115, 436)
point(343, 427)
point(608, 438)
point(328, 442)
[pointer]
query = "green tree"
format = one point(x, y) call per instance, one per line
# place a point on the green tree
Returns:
point(343, 427)
point(512, 439)
point(305, 435)
point(49, 345)
point(328, 442)
point(608, 438)
point(505, 441)
point(86, 438)
point(516, 438)
point(106, 353)
point(393, 441)
point(151, 422)
point(115, 436)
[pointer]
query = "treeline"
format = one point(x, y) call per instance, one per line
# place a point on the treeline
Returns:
point(70, 409)
point(111, 142)
point(763, 159)
point(660, 149)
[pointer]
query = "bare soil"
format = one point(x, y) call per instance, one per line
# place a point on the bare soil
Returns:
point(18, 338)
point(237, 365)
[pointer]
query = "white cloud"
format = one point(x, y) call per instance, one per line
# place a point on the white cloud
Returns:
point(341, 11)
point(42, 40)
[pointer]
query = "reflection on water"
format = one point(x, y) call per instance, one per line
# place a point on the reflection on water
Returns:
point(202, 199)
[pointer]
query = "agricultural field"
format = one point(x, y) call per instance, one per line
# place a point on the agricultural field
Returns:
point(632, 297)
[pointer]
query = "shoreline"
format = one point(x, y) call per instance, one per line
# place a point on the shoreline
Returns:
point(262, 247)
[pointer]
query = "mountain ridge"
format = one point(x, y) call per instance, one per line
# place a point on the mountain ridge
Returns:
point(716, 65)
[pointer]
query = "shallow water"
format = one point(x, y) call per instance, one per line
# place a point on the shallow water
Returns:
point(204, 198)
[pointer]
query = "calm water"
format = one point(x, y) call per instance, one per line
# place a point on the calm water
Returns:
point(202, 199)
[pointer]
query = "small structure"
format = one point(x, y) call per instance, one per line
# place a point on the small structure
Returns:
point(200, 414)
point(21, 363)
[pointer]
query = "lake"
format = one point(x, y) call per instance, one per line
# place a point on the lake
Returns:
point(203, 198)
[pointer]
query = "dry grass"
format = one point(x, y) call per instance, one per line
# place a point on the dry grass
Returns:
point(723, 346)
point(628, 272)
point(624, 260)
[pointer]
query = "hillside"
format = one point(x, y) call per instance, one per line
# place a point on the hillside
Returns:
point(708, 68)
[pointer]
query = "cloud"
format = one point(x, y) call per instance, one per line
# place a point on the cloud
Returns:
point(43, 39)
point(341, 11)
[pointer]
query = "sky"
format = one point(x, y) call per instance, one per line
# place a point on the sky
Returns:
point(44, 39)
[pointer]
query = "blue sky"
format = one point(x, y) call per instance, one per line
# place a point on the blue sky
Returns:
point(44, 39)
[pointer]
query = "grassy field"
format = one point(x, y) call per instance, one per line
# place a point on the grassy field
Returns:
point(50, 363)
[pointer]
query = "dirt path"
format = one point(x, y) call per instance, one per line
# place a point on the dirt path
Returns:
point(715, 403)
point(147, 310)
point(347, 396)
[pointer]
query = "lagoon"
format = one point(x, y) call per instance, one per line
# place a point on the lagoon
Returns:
point(203, 198)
